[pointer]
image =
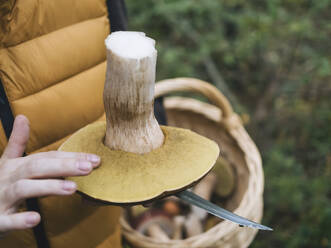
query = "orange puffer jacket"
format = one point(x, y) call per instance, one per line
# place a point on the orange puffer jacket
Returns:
point(52, 69)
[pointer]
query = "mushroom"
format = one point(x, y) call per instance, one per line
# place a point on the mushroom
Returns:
point(137, 210)
point(193, 223)
point(140, 161)
point(174, 206)
point(156, 224)
point(178, 223)
point(171, 207)
point(225, 178)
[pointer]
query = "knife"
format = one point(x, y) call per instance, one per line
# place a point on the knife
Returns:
point(194, 199)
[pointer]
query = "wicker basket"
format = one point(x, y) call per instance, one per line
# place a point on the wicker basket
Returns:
point(219, 123)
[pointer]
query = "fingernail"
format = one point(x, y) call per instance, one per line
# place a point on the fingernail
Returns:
point(69, 186)
point(84, 165)
point(32, 219)
point(93, 158)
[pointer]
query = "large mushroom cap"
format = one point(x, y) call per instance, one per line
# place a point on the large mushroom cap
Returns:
point(129, 178)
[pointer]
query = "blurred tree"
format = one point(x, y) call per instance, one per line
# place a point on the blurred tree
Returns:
point(272, 59)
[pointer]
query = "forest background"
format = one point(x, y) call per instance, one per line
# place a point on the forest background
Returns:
point(272, 60)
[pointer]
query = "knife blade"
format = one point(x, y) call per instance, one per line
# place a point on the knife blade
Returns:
point(194, 199)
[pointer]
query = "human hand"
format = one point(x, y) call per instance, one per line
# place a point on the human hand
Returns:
point(34, 176)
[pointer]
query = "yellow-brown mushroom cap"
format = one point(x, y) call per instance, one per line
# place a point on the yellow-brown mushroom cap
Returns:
point(129, 178)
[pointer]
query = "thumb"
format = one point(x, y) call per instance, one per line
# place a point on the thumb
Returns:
point(18, 138)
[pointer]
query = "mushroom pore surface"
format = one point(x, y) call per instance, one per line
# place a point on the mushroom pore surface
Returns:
point(127, 178)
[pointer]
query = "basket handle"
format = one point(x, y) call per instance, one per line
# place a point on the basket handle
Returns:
point(195, 85)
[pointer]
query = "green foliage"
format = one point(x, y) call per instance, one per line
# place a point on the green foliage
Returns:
point(272, 59)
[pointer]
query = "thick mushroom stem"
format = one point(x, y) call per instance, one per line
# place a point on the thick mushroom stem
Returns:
point(129, 93)
point(178, 230)
point(156, 224)
point(157, 232)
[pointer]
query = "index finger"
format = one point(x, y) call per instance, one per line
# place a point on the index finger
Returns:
point(60, 154)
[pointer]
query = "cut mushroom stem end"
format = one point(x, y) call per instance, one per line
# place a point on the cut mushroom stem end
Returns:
point(129, 93)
